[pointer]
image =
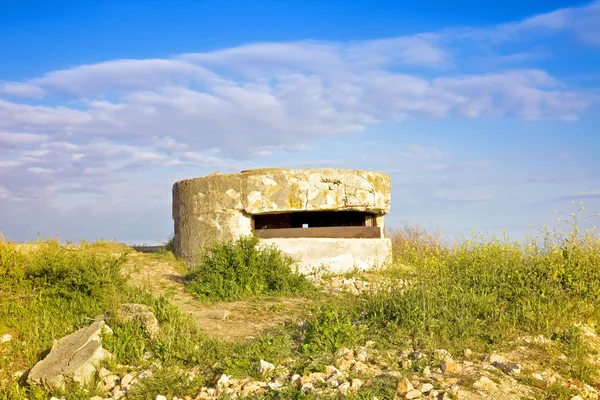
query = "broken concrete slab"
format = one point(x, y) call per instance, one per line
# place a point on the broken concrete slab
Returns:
point(73, 358)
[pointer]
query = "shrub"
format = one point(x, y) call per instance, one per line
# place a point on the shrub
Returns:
point(242, 269)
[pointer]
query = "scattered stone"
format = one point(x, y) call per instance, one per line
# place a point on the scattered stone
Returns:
point(75, 358)
point(160, 397)
point(484, 383)
point(413, 394)
point(356, 383)
point(296, 380)
point(331, 370)
point(141, 313)
point(427, 371)
point(343, 388)
point(450, 367)
point(346, 354)
point(345, 365)
point(308, 387)
point(223, 381)
point(496, 358)
point(443, 355)
point(360, 367)
point(468, 353)
point(537, 376)
point(509, 368)
point(265, 367)
point(362, 355)
point(5, 338)
point(317, 377)
point(333, 381)
point(426, 388)
point(404, 386)
point(126, 380)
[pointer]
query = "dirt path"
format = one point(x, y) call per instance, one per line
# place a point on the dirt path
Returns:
point(224, 320)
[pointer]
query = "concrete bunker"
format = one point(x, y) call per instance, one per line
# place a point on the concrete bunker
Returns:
point(324, 218)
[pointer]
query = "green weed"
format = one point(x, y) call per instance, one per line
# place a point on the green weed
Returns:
point(240, 269)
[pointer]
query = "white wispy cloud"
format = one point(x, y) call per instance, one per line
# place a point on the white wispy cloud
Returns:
point(464, 195)
point(457, 166)
point(92, 127)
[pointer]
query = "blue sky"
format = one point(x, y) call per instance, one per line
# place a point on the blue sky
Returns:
point(486, 115)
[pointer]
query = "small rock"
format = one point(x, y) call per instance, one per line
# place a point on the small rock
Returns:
point(317, 377)
point(160, 397)
point(5, 338)
point(577, 398)
point(126, 380)
point(450, 367)
point(426, 388)
point(97, 398)
point(307, 388)
point(356, 383)
point(413, 394)
point(331, 370)
point(496, 358)
point(362, 355)
point(223, 381)
point(145, 374)
point(468, 353)
point(509, 368)
point(296, 380)
point(485, 383)
point(333, 381)
point(265, 367)
point(251, 388)
point(537, 376)
point(345, 365)
point(110, 382)
point(443, 355)
point(427, 371)
point(360, 367)
point(103, 373)
point(343, 388)
point(468, 363)
point(404, 386)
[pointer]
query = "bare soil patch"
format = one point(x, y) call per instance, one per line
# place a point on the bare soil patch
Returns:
point(163, 274)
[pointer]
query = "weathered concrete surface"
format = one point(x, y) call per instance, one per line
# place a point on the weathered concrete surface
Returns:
point(220, 206)
point(335, 255)
point(73, 358)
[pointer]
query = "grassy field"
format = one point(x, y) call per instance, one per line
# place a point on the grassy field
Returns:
point(481, 294)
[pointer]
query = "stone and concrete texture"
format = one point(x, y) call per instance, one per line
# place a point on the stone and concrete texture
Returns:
point(74, 358)
point(325, 218)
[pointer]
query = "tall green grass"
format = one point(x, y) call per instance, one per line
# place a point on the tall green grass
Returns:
point(481, 293)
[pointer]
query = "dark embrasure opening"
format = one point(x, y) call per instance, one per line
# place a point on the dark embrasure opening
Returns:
point(311, 219)
point(338, 224)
